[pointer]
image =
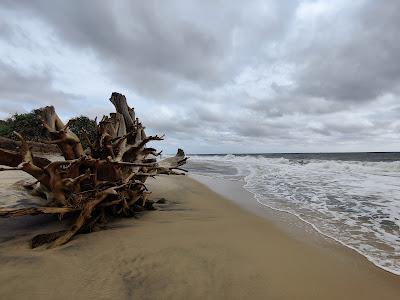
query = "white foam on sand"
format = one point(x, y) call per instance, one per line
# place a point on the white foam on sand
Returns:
point(356, 203)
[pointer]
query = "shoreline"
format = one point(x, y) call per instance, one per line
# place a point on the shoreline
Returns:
point(198, 245)
point(287, 224)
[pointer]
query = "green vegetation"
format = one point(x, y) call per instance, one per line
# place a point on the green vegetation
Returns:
point(89, 125)
point(30, 126)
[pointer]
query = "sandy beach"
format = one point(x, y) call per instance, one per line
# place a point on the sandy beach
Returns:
point(198, 245)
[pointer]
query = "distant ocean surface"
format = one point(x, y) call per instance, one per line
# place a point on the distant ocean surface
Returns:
point(353, 198)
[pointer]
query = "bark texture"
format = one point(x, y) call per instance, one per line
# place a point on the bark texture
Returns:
point(105, 180)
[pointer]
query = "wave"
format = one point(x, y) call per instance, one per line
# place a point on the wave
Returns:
point(356, 203)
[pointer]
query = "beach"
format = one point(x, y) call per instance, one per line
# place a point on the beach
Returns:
point(198, 245)
point(200, 150)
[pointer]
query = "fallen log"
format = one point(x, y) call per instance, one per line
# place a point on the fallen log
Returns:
point(12, 145)
point(106, 180)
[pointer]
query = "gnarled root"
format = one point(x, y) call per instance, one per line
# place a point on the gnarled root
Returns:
point(105, 180)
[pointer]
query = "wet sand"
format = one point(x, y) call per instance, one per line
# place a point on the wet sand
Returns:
point(197, 246)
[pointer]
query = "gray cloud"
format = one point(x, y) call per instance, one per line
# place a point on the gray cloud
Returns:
point(154, 47)
point(221, 74)
point(21, 92)
point(351, 59)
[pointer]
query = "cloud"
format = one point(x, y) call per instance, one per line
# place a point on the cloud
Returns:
point(352, 58)
point(23, 92)
point(215, 76)
point(153, 47)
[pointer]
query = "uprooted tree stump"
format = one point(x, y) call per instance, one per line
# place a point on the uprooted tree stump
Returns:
point(105, 180)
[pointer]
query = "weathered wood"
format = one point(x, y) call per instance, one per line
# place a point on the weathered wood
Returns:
point(85, 214)
point(107, 181)
point(43, 239)
point(60, 134)
point(168, 165)
point(122, 107)
point(32, 211)
point(13, 145)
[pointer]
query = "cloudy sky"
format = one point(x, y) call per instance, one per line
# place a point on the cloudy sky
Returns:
point(214, 76)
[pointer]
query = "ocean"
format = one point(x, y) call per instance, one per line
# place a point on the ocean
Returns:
point(353, 198)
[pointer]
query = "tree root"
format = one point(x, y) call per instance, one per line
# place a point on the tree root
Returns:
point(105, 180)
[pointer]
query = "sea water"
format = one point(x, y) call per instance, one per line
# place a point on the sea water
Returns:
point(353, 198)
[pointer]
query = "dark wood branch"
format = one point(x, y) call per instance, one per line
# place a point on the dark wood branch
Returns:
point(88, 141)
point(85, 214)
point(13, 159)
point(32, 211)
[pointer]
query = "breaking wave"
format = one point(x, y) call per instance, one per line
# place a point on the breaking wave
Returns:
point(357, 203)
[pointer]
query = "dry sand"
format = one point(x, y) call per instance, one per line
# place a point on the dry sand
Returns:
point(198, 246)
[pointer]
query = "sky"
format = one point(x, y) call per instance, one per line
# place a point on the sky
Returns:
point(214, 76)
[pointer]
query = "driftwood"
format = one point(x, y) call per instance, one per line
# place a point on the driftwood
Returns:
point(105, 180)
point(9, 144)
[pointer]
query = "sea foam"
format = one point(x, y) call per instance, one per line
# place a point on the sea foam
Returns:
point(357, 203)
